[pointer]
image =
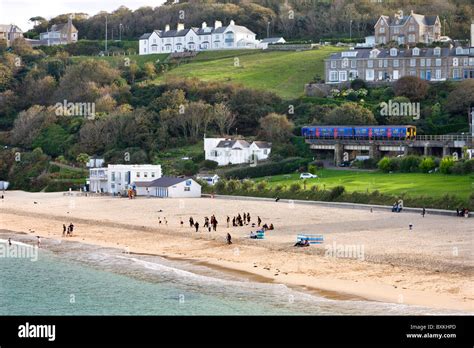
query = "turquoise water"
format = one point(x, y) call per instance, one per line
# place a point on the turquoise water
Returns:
point(70, 278)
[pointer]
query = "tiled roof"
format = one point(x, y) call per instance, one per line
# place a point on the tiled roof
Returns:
point(161, 182)
point(364, 53)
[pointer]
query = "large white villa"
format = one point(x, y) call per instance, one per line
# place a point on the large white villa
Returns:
point(217, 37)
point(226, 151)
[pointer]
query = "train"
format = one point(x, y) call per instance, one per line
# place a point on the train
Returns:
point(360, 132)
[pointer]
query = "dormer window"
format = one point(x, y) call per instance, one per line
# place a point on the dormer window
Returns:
point(393, 52)
point(459, 50)
point(374, 53)
point(416, 51)
point(437, 51)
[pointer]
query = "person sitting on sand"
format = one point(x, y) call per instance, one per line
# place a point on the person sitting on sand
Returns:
point(302, 243)
point(271, 227)
point(253, 235)
point(265, 227)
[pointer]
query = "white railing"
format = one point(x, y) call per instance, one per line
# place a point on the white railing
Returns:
point(454, 137)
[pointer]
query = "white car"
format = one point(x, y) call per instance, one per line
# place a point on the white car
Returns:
point(308, 176)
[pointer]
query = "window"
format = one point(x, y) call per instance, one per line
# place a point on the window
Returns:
point(369, 74)
point(422, 62)
point(459, 50)
point(342, 76)
point(465, 61)
point(416, 51)
point(382, 30)
point(411, 38)
point(113, 176)
point(145, 175)
point(138, 174)
point(353, 63)
point(411, 28)
point(152, 174)
point(187, 189)
point(380, 63)
point(455, 62)
point(437, 51)
point(471, 61)
point(412, 62)
point(265, 151)
point(428, 62)
point(456, 74)
point(438, 62)
point(333, 64)
point(333, 76)
point(385, 63)
point(396, 63)
point(345, 63)
point(438, 74)
point(396, 30)
point(370, 64)
point(393, 52)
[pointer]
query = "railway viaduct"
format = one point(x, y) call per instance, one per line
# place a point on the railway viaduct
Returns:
point(437, 145)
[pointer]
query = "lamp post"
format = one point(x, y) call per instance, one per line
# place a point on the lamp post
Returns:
point(106, 33)
point(120, 31)
point(268, 29)
point(350, 30)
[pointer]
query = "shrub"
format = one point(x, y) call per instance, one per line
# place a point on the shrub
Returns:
point(208, 164)
point(295, 187)
point(410, 164)
point(261, 186)
point(336, 192)
point(358, 84)
point(446, 164)
point(232, 185)
point(247, 185)
point(468, 166)
point(279, 188)
point(385, 164)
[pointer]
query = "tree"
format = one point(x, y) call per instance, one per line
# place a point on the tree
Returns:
point(427, 164)
point(275, 128)
point(411, 87)
point(350, 113)
point(446, 164)
point(224, 118)
point(6, 76)
point(82, 159)
point(149, 70)
point(52, 140)
point(461, 98)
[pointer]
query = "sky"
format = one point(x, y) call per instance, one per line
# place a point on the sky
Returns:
point(19, 11)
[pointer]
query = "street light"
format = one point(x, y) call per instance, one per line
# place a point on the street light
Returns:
point(268, 29)
point(350, 30)
point(120, 31)
point(105, 33)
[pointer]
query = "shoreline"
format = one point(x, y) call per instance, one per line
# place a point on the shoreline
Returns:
point(271, 261)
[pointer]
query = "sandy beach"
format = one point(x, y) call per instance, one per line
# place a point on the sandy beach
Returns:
point(430, 265)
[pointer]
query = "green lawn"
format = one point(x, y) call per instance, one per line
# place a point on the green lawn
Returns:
point(284, 73)
point(116, 61)
point(413, 184)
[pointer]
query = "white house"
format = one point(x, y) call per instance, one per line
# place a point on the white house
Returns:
point(60, 34)
point(95, 162)
point(168, 187)
point(227, 151)
point(120, 177)
point(205, 38)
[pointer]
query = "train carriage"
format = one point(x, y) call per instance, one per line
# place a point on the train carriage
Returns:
point(360, 132)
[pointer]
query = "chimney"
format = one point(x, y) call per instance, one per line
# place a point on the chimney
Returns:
point(232, 22)
point(204, 25)
point(167, 28)
point(180, 26)
point(217, 24)
point(69, 29)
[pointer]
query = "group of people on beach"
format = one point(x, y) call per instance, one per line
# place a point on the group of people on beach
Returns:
point(67, 231)
point(462, 212)
point(397, 207)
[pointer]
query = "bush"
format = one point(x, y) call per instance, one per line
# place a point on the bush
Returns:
point(358, 84)
point(261, 186)
point(386, 165)
point(446, 165)
point(208, 164)
point(410, 164)
point(295, 187)
point(336, 192)
point(427, 164)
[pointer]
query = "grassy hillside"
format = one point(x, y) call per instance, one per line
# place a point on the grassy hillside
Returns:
point(116, 61)
point(413, 184)
point(284, 73)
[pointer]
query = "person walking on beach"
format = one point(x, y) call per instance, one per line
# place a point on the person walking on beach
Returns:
point(206, 222)
point(38, 241)
point(229, 238)
point(191, 222)
point(71, 229)
point(228, 221)
point(9, 242)
point(410, 226)
point(64, 230)
point(248, 218)
point(233, 222)
point(245, 218)
point(259, 221)
point(196, 225)
point(423, 212)
point(214, 225)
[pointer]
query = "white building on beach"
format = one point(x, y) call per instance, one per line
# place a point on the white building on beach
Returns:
point(226, 151)
point(120, 177)
point(169, 187)
point(205, 38)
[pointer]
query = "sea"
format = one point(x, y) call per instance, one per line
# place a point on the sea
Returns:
point(73, 278)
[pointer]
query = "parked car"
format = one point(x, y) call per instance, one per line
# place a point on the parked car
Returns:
point(308, 176)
